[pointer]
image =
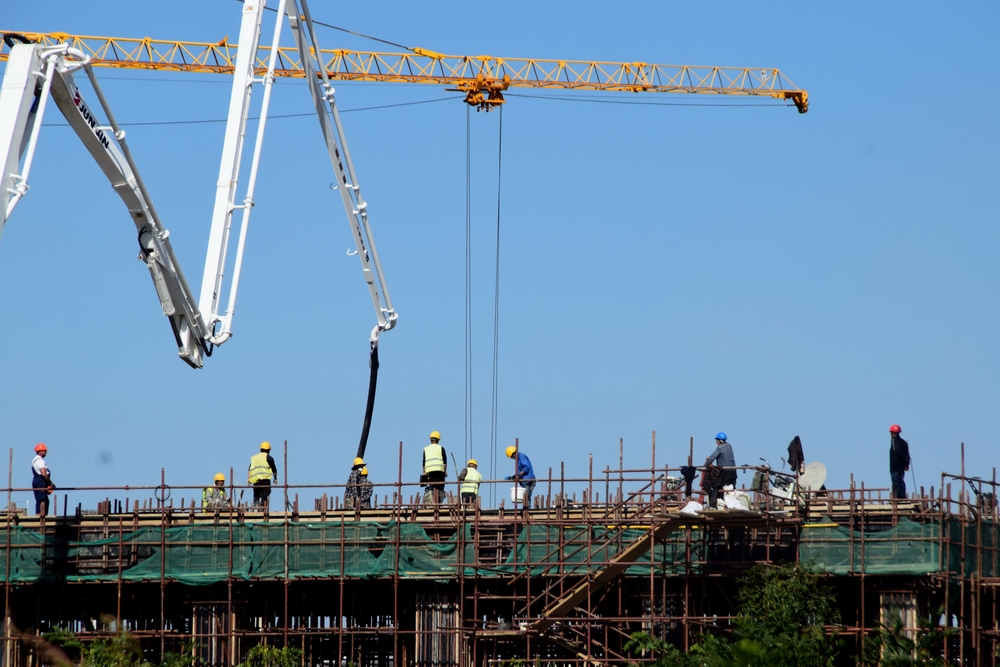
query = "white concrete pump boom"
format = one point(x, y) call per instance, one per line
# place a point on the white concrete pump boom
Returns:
point(32, 73)
point(347, 180)
point(35, 71)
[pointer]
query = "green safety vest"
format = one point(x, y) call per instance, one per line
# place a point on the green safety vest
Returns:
point(434, 458)
point(259, 468)
point(471, 482)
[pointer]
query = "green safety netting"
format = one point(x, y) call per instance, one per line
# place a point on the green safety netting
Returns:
point(587, 548)
point(200, 554)
point(907, 548)
point(979, 555)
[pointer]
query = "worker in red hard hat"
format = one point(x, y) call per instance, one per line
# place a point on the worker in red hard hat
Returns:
point(899, 461)
point(41, 482)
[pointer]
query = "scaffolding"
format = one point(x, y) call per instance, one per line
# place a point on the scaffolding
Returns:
point(411, 584)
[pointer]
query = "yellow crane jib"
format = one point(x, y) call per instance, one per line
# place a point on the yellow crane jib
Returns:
point(482, 78)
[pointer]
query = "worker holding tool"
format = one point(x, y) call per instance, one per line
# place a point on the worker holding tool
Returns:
point(469, 479)
point(214, 497)
point(899, 461)
point(435, 467)
point(525, 475)
point(262, 469)
point(41, 481)
point(356, 484)
point(723, 454)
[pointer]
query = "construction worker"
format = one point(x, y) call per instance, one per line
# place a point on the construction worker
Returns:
point(355, 484)
point(262, 469)
point(214, 497)
point(41, 481)
point(470, 478)
point(525, 475)
point(365, 493)
point(435, 467)
point(899, 461)
point(723, 454)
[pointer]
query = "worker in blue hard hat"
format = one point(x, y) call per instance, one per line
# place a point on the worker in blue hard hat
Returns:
point(724, 471)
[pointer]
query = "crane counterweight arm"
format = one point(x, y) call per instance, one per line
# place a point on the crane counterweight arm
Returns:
point(482, 78)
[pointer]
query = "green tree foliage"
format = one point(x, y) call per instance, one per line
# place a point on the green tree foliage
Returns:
point(787, 611)
point(269, 656)
point(122, 650)
point(890, 646)
point(784, 613)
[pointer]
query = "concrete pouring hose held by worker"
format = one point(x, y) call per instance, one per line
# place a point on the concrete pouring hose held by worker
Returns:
point(358, 494)
point(262, 470)
point(435, 469)
point(524, 477)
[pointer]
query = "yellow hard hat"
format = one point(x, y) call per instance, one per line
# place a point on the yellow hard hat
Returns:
point(364, 471)
point(435, 435)
point(510, 451)
point(219, 477)
point(472, 462)
point(265, 446)
point(359, 462)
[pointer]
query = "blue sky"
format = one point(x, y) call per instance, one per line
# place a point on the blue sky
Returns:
point(681, 269)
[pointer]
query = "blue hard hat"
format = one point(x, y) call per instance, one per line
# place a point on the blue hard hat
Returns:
point(721, 435)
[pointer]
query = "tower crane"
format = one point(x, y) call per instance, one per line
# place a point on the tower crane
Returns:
point(40, 65)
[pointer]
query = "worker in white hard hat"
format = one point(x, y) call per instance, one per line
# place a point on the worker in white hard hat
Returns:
point(469, 479)
point(356, 485)
point(435, 467)
point(214, 497)
point(262, 470)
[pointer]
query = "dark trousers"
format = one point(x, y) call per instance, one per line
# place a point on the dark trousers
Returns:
point(469, 497)
point(262, 493)
point(713, 486)
point(529, 488)
point(41, 493)
point(898, 483)
point(435, 482)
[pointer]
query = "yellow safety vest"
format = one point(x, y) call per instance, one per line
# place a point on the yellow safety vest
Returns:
point(434, 458)
point(259, 468)
point(471, 482)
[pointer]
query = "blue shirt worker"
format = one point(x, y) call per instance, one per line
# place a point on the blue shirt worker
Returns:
point(724, 459)
point(525, 475)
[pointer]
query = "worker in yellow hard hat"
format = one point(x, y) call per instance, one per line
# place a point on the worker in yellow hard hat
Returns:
point(469, 479)
point(356, 485)
point(435, 467)
point(262, 470)
point(524, 474)
point(214, 497)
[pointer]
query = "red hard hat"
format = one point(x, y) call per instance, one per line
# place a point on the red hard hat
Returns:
point(895, 428)
point(40, 447)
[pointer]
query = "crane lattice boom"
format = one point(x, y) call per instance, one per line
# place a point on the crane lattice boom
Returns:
point(482, 78)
